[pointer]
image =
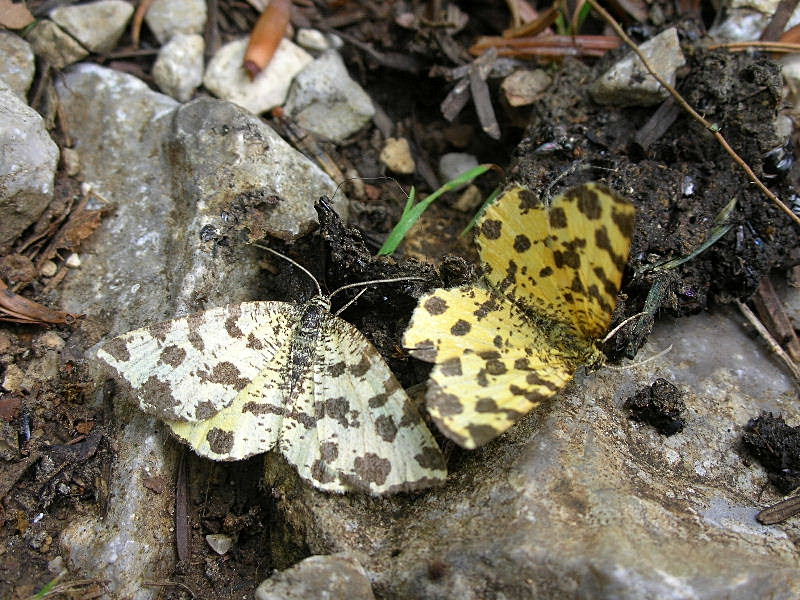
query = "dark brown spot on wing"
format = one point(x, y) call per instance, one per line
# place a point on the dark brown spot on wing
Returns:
point(589, 203)
point(385, 428)
point(205, 410)
point(225, 373)
point(220, 441)
point(118, 349)
point(253, 342)
point(451, 367)
point(522, 243)
point(360, 369)
point(319, 472)
point(372, 468)
point(482, 433)
point(491, 229)
point(625, 222)
point(461, 327)
point(329, 451)
point(337, 369)
point(234, 312)
point(447, 404)
point(435, 306)
point(430, 458)
point(172, 355)
point(558, 218)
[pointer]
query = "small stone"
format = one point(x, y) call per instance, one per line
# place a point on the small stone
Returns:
point(525, 86)
point(56, 566)
point(628, 83)
point(469, 200)
point(332, 576)
point(48, 269)
point(71, 161)
point(396, 155)
point(6, 341)
point(312, 39)
point(50, 340)
point(226, 79)
point(73, 261)
point(16, 63)
point(14, 376)
point(326, 100)
point(178, 70)
point(219, 542)
point(96, 25)
point(27, 167)
point(165, 18)
point(54, 45)
point(453, 164)
point(17, 268)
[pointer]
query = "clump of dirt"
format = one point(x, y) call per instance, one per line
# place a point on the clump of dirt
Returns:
point(776, 446)
point(660, 406)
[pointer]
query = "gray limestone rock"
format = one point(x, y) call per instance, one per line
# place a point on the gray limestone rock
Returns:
point(628, 83)
point(326, 100)
point(334, 576)
point(52, 43)
point(165, 18)
point(96, 25)
point(16, 63)
point(226, 78)
point(270, 187)
point(178, 70)
point(28, 160)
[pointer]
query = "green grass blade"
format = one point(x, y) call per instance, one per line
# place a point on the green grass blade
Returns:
point(413, 211)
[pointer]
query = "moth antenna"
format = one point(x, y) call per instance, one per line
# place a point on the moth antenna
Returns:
point(344, 308)
point(373, 281)
point(641, 362)
point(621, 325)
point(295, 263)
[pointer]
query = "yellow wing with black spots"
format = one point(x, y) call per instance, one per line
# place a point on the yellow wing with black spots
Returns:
point(493, 365)
point(566, 260)
point(552, 277)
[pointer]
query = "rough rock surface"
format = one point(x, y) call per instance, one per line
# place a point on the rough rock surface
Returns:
point(52, 43)
point(326, 100)
point(16, 63)
point(165, 18)
point(226, 79)
point(334, 576)
point(96, 25)
point(178, 70)
point(27, 166)
point(628, 83)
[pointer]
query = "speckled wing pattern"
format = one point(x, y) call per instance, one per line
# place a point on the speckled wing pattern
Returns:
point(246, 378)
point(552, 277)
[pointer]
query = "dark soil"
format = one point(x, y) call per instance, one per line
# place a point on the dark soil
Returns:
point(56, 445)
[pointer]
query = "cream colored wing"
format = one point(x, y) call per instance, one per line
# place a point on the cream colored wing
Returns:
point(493, 362)
point(369, 437)
point(565, 261)
point(189, 369)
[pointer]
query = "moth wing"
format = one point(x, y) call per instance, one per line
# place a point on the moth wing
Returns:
point(191, 368)
point(565, 261)
point(369, 435)
point(493, 365)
